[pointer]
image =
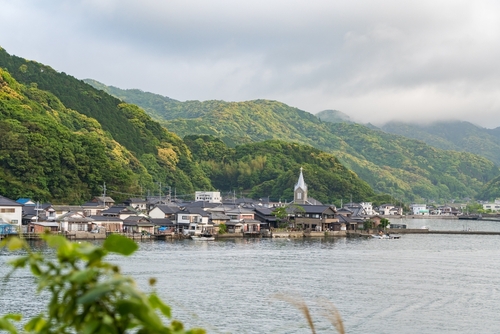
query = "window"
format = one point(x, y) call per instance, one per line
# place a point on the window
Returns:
point(7, 210)
point(299, 195)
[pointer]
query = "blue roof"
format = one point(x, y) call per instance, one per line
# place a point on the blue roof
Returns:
point(23, 200)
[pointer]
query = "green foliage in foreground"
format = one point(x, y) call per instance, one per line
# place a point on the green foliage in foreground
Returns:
point(89, 295)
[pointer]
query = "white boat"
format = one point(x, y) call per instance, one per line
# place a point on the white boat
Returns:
point(386, 236)
point(203, 237)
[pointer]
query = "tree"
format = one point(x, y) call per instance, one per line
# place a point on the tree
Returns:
point(282, 215)
point(384, 222)
point(89, 295)
point(367, 224)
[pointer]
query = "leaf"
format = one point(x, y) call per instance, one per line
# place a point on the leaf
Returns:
point(120, 244)
point(15, 244)
point(35, 324)
point(158, 303)
point(94, 294)
point(82, 276)
point(91, 327)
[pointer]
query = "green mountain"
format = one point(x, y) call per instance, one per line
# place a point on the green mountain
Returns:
point(62, 139)
point(452, 135)
point(405, 168)
point(118, 143)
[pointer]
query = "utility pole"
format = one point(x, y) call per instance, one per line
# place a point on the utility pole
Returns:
point(159, 183)
point(103, 194)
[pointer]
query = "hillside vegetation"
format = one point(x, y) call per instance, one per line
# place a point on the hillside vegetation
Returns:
point(62, 139)
point(405, 168)
point(271, 168)
point(452, 135)
point(52, 152)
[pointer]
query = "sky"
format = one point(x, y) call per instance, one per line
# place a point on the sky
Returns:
point(374, 60)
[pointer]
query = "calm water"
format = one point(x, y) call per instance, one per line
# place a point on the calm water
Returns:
point(416, 284)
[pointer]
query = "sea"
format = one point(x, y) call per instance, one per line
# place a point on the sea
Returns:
point(420, 283)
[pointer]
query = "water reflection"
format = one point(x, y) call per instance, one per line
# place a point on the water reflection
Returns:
point(417, 284)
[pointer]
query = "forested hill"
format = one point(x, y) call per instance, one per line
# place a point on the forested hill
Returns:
point(452, 135)
point(118, 142)
point(406, 168)
point(50, 152)
point(271, 168)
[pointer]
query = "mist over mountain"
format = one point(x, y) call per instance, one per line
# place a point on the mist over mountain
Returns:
point(333, 116)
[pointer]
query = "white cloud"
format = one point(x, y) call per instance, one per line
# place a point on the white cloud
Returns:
point(376, 60)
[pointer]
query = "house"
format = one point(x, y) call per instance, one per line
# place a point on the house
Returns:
point(37, 213)
point(42, 227)
point(367, 207)
point(163, 225)
point(138, 224)
point(419, 209)
point(316, 218)
point(239, 214)
point(73, 222)
point(193, 221)
point(11, 212)
point(243, 220)
point(234, 226)
point(385, 209)
point(104, 200)
point(108, 223)
point(493, 207)
point(88, 209)
point(138, 204)
point(120, 211)
point(266, 217)
point(164, 211)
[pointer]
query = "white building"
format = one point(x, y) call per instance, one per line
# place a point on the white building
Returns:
point(11, 212)
point(494, 207)
point(208, 196)
point(367, 207)
point(419, 209)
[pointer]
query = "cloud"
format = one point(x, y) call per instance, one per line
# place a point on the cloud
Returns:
point(374, 60)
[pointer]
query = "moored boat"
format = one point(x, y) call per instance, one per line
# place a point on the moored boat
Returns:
point(203, 237)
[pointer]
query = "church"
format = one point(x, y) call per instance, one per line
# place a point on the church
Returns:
point(300, 193)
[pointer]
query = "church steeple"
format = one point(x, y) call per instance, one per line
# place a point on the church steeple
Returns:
point(300, 190)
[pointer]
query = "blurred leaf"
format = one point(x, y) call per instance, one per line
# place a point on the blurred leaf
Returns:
point(119, 244)
point(157, 303)
point(35, 324)
point(15, 243)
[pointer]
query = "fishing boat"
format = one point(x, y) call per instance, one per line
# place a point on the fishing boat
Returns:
point(205, 236)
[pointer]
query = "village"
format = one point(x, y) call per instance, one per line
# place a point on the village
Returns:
point(161, 218)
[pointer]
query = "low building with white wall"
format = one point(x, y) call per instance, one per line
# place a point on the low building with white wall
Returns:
point(11, 212)
point(208, 196)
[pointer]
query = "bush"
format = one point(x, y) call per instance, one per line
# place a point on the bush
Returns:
point(89, 295)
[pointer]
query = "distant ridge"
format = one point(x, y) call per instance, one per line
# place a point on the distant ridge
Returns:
point(405, 168)
point(452, 135)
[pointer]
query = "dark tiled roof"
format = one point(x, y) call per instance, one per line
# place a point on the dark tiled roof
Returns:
point(162, 222)
point(168, 208)
point(4, 201)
